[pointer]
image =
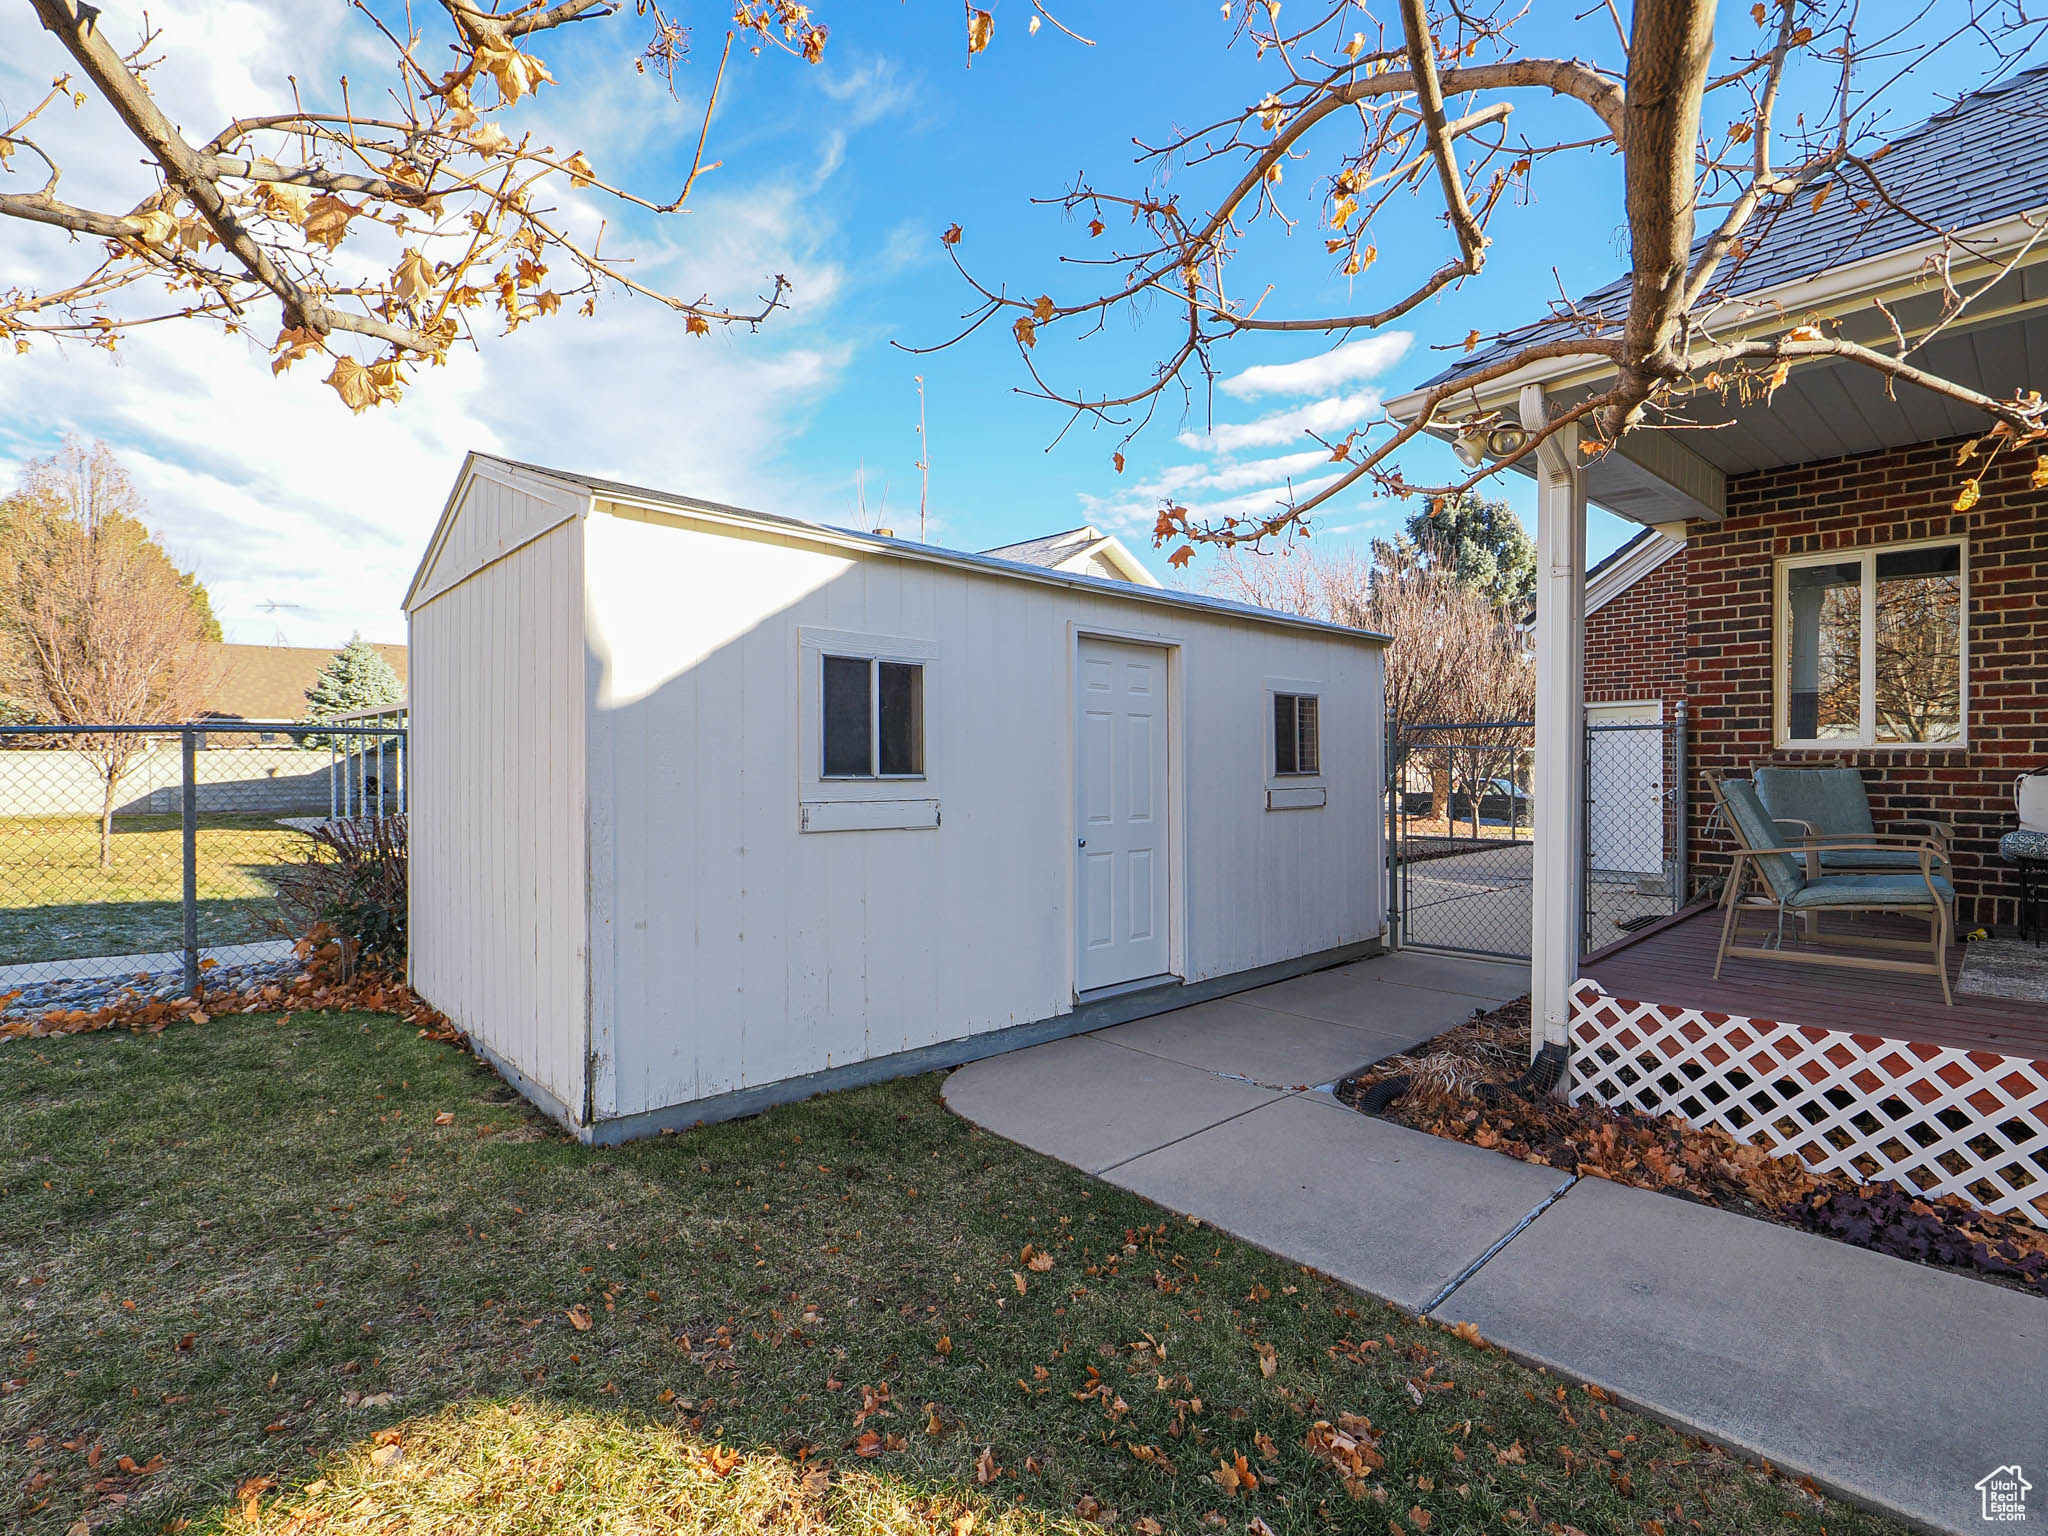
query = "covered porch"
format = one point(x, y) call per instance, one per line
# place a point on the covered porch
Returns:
point(1831, 471)
point(1856, 1071)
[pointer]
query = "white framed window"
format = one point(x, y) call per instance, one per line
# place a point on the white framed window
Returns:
point(1297, 735)
point(1870, 647)
point(871, 723)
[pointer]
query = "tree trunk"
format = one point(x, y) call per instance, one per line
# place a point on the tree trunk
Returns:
point(1440, 795)
point(113, 783)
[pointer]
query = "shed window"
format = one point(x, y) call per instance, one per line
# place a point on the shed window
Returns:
point(873, 718)
point(1297, 743)
point(1870, 647)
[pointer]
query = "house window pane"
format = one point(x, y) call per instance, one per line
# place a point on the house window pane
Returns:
point(902, 697)
point(849, 720)
point(1919, 645)
point(1296, 747)
point(1821, 651)
point(1285, 751)
point(1308, 746)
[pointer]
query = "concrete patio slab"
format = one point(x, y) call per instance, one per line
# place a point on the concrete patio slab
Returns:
point(1394, 1016)
point(1396, 1213)
point(1091, 1104)
point(1493, 980)
point(1279, 1050)
point(1888, 1381)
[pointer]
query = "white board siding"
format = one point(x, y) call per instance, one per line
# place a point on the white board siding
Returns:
point(731, 949)
point(502, 508)
point(496, 797)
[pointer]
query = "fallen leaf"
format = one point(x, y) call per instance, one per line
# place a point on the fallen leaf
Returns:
point(985, 1469)
point(579, 1318)
point(385, 1455)
point(869, 1444)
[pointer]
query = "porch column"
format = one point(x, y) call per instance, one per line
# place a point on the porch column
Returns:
point(1557, 905)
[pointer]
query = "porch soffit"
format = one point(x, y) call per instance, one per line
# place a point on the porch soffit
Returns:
point(1824, 410)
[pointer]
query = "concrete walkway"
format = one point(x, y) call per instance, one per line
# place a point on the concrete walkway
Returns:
point(93, 967)
point(1891, 1383)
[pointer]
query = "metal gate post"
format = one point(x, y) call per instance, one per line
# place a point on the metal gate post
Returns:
point(1681, 890)
point(189, 814)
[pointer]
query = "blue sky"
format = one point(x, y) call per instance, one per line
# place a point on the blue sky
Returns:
point(306, 521)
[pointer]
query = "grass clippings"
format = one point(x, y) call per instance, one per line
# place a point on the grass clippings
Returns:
point(1458, 1090)
point(315, 1273)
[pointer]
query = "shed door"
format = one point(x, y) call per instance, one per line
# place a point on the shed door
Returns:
point(1120, 797)
point(1625, 788)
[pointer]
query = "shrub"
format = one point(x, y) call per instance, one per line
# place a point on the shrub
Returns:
point(352, 880)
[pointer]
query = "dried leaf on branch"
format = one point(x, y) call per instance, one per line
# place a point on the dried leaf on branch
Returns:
point(428, 176)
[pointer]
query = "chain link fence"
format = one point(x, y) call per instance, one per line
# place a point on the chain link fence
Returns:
point(1458, 832)
point(1636, 833)
point(146, 856)
point(1460, 836)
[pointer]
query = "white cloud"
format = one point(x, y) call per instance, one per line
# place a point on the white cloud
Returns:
point(1326, 417)
point(1366, 358)
point(273, 491)
point(870, 91)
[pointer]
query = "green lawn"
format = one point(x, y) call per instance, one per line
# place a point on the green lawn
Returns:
point(56, 903)
point(256, 1281)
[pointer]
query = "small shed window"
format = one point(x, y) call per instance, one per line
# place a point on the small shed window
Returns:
point(1297, 739)
point(873, 718)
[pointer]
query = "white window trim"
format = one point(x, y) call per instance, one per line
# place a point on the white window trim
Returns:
point(1866, 681)
point(1271, 688)
point(814, 644)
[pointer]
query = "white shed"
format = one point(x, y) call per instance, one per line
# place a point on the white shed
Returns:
point(712, 809)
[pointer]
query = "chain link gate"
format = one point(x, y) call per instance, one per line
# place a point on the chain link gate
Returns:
point(1458, 835)
point(141, 855)
point(1460, 849)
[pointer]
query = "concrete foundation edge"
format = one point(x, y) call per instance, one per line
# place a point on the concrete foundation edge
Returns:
point(1096, 1013)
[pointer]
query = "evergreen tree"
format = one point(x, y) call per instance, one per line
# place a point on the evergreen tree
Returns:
point(356, 678)
point(1483, 542)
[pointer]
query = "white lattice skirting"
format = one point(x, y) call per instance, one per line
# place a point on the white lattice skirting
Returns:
point(1939, 1120)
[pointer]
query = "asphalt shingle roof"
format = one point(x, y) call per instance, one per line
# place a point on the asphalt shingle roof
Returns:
point(1984, 159)
point(1049, 550)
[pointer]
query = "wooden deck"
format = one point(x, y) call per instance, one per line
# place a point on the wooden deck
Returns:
point(1673, 963)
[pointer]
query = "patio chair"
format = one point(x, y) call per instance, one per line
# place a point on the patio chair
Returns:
point(1788, 877)
point(1828, 802)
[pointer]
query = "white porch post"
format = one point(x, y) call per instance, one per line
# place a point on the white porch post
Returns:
point(1557, 897)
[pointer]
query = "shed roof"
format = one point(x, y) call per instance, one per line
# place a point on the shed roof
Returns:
point(876, 544)
point(1981, 161)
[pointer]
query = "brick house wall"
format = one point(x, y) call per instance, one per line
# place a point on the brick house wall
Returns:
point(1636, 643)
point(1853, 503)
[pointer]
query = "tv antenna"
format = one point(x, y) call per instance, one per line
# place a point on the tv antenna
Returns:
point(924, 460)
point(273, 607)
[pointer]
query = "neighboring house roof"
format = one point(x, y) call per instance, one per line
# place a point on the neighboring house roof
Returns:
point(1641, 555)
point(1981, 162)
point(269, 682)
point(1086, 549)
point(866, 543)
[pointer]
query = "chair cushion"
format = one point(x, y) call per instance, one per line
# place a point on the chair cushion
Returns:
point(1831, 800)
point(1865, 860)
point(1754, 826)
point(1868, 891)
point(2023, 844)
